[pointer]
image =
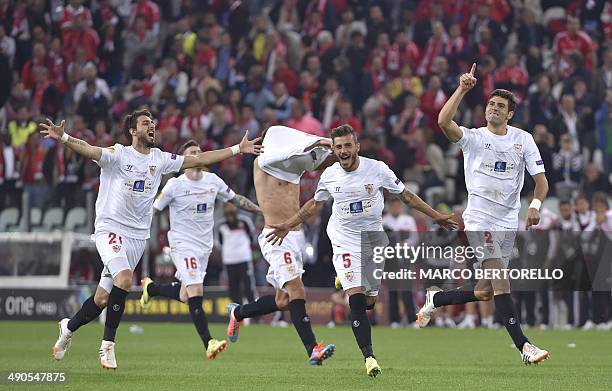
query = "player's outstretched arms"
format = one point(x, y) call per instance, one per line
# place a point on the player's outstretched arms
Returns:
point(309, 209)
point(413, 200)
point(539, 194)
point(451, 130)
point(211, 157)
point(56, 132)
point(245, 204)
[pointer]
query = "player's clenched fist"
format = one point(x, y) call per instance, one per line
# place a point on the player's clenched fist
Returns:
point(467, 81)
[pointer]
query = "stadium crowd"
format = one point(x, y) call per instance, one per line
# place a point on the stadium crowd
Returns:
point(209, 70)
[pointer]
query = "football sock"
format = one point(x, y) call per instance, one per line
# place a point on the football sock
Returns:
point(455, 296)
point(361, 324)
point(114, 312)
point(263, 305)
point(505, 308)
point(172, 290)
point(198, 317)
point(301, 321)
point(88, 312)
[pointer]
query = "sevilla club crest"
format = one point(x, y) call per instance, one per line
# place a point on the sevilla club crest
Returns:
point(369, 188)
point(152, 169)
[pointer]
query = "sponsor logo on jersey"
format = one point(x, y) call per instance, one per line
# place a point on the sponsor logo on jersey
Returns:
point(487, 146)
point(349, 276)
point(518, 147)
point(139, 186)
point(173, 156)
point(397, 181)
point(369, 188)
point(201, 208)
point(129, 167)
point(116, 248)
point(356, 207)
point(152, 169)
point(337, 189)
point(500, 167)
point(540, 163)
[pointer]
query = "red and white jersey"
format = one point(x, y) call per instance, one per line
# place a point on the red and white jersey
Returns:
point(564, 44)
point(70, 13)
point(128, 184)
point(148, 9)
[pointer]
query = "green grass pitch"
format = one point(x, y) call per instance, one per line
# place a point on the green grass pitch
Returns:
point(170, 356)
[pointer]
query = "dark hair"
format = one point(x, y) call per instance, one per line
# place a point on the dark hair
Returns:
point(131, 120)
point(565, 202)
point(509, 96)
point(581, 196)
point(190, 143)
point(343, 130)
point(600, 196)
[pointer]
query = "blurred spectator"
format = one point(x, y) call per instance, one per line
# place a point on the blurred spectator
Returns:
point(594, 181)
point(435, 46)
point(602, 77)
point(31, 168)
point(7, 45)
point(347, 27)
point(172, 79)
point(258, 96)
point(149, 11)
point(345, 116)
point(542, 104)
point(21, 127)
point(545, 142)
point(90, 73)
point(569, 122)
point(10, 179)
point(603, 123)
point(567, 167)
point(512, 76)
point(139, 44)
point(92, 105)
point(571, 40)
point(282, 102)
point(304, 121)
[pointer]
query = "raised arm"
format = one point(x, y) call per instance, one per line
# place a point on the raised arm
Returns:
point(414, 201)
point(245, 204)
point(211, 157)
point(309, 209)
point(451, 130)
point(539, 194)
point(56, 132)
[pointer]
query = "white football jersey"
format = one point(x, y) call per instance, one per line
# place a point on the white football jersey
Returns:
point(358, 200)
point(192, 207)
point(494, 173)
point(128, 184)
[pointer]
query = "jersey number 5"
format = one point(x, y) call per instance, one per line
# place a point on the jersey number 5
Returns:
point(346, 260)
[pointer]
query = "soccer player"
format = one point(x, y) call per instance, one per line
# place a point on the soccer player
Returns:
point(129, 179)
point(355, 183)
point(495, 158)
point(191, 198)
point(277, 173)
